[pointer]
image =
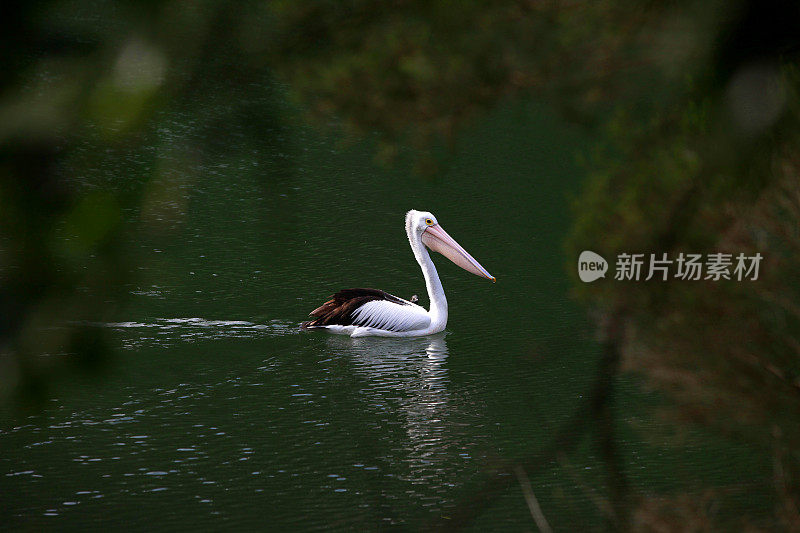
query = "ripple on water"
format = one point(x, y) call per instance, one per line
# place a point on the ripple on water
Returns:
point(169, 331)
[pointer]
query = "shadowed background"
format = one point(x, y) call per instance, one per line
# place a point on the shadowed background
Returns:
point(180, 184)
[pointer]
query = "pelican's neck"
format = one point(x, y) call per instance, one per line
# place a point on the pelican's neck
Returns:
point(438, 309)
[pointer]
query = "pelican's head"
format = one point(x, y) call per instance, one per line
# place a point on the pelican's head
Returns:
point(424, 226)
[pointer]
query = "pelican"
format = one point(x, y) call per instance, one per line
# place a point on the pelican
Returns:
point(373, 312)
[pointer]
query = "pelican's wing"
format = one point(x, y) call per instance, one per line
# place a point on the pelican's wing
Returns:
point(391, 316)
point(369, 307)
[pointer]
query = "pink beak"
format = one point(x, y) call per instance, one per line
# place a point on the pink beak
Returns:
point(437, 239)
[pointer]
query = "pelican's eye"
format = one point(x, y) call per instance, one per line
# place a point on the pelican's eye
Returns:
point(429, 222)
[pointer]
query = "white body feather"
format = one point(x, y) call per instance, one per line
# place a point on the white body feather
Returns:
point(390, 317)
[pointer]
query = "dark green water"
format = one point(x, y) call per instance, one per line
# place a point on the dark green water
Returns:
point(218, 413)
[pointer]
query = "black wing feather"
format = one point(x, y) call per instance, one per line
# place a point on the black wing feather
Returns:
point(341, 306)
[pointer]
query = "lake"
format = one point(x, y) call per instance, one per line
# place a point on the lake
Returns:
point(217, 412)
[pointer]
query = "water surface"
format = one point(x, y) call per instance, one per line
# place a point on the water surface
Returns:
point(218, 412)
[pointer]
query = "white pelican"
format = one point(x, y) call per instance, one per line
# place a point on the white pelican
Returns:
point(372, 312)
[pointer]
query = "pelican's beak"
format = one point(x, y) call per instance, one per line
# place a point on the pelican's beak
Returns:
point(437, 239)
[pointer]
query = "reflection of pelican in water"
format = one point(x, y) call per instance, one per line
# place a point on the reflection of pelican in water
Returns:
point(416, 369)
point(403, 364)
